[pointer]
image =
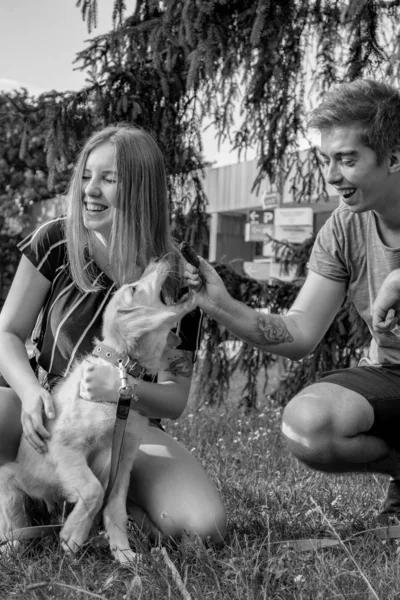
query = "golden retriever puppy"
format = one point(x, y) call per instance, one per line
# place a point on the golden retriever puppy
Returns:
point(76, 467)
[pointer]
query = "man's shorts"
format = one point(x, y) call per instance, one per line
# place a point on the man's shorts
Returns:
point(381, 387)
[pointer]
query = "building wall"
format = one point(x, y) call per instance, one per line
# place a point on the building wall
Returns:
point(231, 198)
point(228, 188)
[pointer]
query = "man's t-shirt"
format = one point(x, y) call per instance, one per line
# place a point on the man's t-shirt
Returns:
point(349, 248)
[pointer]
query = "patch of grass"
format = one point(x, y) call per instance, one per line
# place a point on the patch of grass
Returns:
point(269, 498)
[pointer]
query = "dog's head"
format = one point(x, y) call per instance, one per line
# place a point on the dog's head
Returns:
point(137, 322)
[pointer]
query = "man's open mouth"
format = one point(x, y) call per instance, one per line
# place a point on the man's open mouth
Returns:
point(347, 192)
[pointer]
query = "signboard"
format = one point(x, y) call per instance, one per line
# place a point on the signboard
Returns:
point(270, 199)
point(260, 216)
point(294, 216)
point(259, 226)
point(294, 225)
point(259, 270)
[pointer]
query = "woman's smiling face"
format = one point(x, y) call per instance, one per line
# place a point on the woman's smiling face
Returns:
point(99, 188)
point(353, 169)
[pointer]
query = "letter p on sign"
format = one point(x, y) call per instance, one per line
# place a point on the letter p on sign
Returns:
point(268, 217)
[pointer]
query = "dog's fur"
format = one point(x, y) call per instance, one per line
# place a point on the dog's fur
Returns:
point(77, 464)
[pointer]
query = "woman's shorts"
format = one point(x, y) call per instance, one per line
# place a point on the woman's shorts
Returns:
point(381, 387)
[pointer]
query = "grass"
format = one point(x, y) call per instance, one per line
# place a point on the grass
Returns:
point(269, 498)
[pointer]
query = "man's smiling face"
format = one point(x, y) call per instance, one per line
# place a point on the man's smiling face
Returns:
point(353, 169)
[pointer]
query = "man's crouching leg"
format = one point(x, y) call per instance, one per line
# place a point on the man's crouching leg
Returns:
point(326, 427)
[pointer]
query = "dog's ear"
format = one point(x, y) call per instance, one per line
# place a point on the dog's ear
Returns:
point(143, 319)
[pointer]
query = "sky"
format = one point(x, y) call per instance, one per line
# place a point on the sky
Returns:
point(39, 40)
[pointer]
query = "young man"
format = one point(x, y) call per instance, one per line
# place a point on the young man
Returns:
point(348, 421)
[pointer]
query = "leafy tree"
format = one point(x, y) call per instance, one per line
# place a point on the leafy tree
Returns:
point(171, 65)
point(24, 174)
point(204, 59)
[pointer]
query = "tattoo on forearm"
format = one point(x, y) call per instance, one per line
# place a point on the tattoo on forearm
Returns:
point(181, 365)
point(273, 329)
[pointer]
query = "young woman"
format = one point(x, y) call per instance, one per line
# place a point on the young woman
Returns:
point(117, 220)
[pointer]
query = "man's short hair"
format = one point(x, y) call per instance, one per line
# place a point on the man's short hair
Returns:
point(373, 105)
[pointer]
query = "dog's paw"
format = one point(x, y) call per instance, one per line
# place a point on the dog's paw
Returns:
point(74, 534)
point(126, 556)
point(71, 544)
point(70, 547)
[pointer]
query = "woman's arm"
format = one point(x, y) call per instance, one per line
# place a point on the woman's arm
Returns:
point(17, 319)
point(165, 399)
point(294, 335)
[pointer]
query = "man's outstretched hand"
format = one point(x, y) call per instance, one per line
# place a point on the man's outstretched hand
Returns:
point(203, 279)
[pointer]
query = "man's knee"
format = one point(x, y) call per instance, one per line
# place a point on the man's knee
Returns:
point(308, 426)
point(307, 414)
point(319, 422)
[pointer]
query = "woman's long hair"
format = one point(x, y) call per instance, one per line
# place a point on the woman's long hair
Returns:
point(141, 228)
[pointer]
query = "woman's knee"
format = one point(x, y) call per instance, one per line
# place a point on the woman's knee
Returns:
point(177, 524)
point(189, 517)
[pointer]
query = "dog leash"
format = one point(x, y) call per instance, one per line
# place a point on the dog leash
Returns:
point(391, 532)
point(126, 394)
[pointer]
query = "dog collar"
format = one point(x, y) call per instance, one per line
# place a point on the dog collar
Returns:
point(133, 367)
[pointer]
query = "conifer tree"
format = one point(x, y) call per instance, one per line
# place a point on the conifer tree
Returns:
point(251, 67)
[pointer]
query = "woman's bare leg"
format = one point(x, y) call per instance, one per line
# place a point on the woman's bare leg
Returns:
point(171, 494)
point(10, 425)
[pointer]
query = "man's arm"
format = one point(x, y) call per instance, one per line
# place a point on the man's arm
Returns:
point(387, 303)
point(293, 335)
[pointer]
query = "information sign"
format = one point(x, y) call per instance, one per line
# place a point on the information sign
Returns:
point(270, 199)
point(259, 226)
point(294, 225)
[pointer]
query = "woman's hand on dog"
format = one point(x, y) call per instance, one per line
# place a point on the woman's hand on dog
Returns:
point(99, 383)
point(33, 404)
